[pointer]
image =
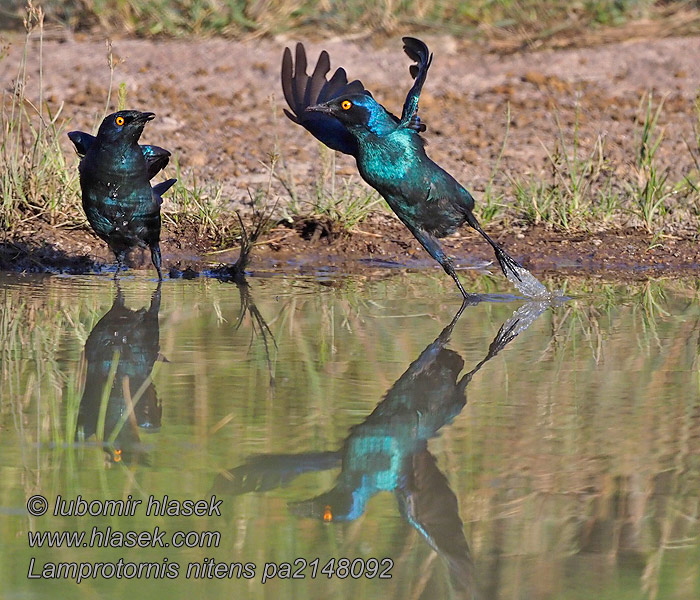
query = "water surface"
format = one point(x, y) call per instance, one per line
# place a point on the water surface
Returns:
point(519, 451)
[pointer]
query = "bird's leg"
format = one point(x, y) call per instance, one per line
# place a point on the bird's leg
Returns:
point(446, 333)
point(508, 263)
point(432, 247)
point(155, 257)
point(120, 262)
point(119, 298)
point(446, 263)
point(154, 308)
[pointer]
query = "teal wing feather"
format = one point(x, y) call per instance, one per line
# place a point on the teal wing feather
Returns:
point(156, 159)
point(82, 141)
point(418, 52)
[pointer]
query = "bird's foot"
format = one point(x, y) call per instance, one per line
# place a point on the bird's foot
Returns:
point(509, 264)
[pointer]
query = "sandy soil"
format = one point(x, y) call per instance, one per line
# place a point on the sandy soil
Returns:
point(218, 106)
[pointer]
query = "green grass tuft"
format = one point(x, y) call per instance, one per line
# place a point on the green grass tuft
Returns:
point(34, 180)
point(533, 19)
point(346, 202)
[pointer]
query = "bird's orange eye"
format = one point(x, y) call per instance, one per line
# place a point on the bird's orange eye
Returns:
point(119, 121)
point(346, 104)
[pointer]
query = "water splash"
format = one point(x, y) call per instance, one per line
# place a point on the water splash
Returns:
point(525, 316)
point(528, 284)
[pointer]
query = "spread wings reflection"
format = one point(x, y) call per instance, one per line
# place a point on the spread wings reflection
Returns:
point(388, 451)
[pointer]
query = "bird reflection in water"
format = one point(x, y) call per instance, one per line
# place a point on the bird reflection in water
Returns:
point(388, 451)
point(120, 401)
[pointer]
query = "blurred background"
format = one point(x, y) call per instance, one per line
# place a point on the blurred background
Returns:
point(530, 20)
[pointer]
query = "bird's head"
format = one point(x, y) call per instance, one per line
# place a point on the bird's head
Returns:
point(356, 111)
point(124, 126)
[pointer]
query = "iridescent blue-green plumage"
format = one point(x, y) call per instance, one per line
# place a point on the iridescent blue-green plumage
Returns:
point(389, 151)
point(157, 158)
point(115, 173)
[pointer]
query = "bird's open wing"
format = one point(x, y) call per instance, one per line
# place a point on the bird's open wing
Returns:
point(156, 158)
point(266, 472)
point(301, 91)
point(417, 51)
point(82, 141)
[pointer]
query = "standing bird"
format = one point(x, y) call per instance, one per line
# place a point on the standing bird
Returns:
point(115, 174)
point(390, 153)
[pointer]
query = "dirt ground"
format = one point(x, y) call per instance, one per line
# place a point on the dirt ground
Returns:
point(218, 106)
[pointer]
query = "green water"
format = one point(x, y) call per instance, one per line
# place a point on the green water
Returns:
point(328, 417)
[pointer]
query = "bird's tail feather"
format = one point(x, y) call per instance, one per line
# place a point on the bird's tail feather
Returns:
point(163, 186)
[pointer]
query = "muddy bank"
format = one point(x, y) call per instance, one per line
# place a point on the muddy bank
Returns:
point(611, 255)
point(313, 246)
point(219, 111)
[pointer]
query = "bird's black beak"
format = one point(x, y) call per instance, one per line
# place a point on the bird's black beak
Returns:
point(145, 117)
point(322, 108)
